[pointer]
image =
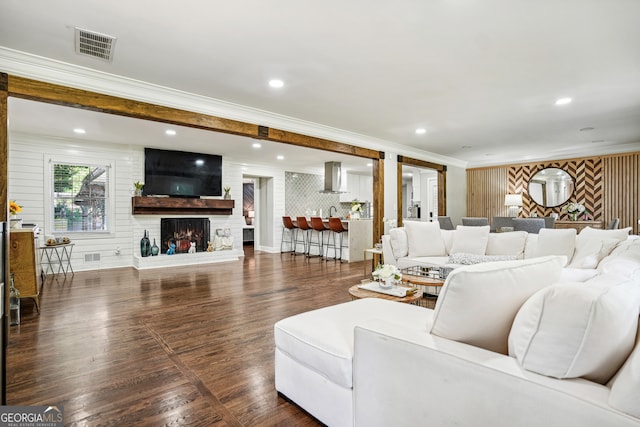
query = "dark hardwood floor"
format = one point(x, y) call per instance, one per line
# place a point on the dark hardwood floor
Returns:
point(174, 346)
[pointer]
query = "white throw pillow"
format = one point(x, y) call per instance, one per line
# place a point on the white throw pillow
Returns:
point(511, 243)
point(625, 390)
point(470, 240)
point(589, 251)
point(575, 330)
point(477, 303)
point(424, 239)
point(620, 234)
point(556, 242)
point(399, 243)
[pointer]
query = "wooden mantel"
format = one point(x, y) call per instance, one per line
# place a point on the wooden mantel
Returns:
point(181, 206)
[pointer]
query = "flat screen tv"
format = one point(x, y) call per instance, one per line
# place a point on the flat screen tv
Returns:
point(181, 174)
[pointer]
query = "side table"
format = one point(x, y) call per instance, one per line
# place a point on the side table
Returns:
point(376, 255)
point(57, 255)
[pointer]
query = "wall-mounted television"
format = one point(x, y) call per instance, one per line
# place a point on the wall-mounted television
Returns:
point(181, 174)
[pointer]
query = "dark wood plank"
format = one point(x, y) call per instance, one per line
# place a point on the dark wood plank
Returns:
point(175, 346)
point(181, 206)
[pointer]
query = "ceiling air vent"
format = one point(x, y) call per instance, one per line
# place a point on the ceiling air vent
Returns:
point(94, 44)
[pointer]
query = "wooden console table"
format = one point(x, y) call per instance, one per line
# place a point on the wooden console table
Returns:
point(578, 225)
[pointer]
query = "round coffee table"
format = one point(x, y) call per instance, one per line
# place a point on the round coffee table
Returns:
point(358, 293)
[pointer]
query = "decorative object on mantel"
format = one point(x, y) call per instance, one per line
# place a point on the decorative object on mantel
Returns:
point(222, 240)
point(172, 247)
point(209, 246)
point(387, 275)
point(145, 245)
point(356, 209)
point(138, 188)
point(14, 209)
point(155, 249)
point(573, 209)
point(226, 192)
point(192, 248)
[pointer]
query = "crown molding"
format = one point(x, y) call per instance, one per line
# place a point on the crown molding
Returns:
point(51, 71)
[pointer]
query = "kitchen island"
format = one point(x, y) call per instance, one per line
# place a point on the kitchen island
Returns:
point(358, 238)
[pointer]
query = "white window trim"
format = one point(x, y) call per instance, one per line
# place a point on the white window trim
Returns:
point(49, 160)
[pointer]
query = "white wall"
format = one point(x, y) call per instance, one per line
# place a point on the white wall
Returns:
point(27, 170)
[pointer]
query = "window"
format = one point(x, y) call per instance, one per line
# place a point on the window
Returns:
point(80, 197)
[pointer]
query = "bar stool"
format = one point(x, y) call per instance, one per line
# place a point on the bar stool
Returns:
point(336, 227)
point(318, 226)
point(303, 228)
point(288, 225)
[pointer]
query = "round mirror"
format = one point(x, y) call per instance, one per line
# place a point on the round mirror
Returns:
point(551, 187)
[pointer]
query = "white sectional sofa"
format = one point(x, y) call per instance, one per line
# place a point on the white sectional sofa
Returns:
point(423, 243)
point(508, 343)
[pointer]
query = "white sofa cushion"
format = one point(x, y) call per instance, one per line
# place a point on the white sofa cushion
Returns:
point(322, 339)
point(447, 237)
point(556, 242)
point(511, 243)
point(625, 389)
point(590, 250)
point(575, 330)
point(477, 303)
point(619, 234)
point(470, 240)
point(623, 261)
point(399, 243)
point(424, 239)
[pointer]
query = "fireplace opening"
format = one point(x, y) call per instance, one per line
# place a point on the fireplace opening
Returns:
point(183, 231)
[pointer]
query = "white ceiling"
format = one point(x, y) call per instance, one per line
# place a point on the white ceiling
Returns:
point(480, 76)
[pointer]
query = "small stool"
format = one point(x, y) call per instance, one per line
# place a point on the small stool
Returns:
point(336, 227)
point(304, 228)
point(318, 226)
point(288, 225)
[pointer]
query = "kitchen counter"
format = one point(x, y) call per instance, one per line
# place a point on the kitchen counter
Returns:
point(358, 238)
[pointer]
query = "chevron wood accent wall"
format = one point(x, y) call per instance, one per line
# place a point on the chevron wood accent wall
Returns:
point(607, 185)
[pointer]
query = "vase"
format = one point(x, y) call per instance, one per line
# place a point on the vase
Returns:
point(15, 222)
point(138, 192)
point(145, 245)
point(155, 249)
point(573, 216)
point(227, 195)
point(386, 283)
point(355, 215)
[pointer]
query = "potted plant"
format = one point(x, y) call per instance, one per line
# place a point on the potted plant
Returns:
point(138, 188)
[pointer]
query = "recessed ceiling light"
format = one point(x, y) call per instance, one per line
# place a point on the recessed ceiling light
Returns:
point(587, 129)
point(170, 132)
point(369, 164)
point(80, 131)
point(280, 157)
point(421, 131)
point(277, 83)
point(256, 145)
point(563, 101)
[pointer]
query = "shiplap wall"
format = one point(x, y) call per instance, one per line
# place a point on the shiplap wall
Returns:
point(607, 185)
point(27, 170)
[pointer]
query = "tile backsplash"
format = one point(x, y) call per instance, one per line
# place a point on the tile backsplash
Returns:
point(303, 196)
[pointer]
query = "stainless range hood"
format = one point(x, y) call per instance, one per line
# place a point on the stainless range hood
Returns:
point(332, 178)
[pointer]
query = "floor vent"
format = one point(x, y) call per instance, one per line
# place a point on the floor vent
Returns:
point(91, 257)
point(94, 44)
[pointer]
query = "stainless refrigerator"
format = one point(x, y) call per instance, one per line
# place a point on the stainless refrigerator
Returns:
point(4, 310)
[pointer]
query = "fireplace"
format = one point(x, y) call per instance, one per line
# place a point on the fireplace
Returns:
point(183, 231)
